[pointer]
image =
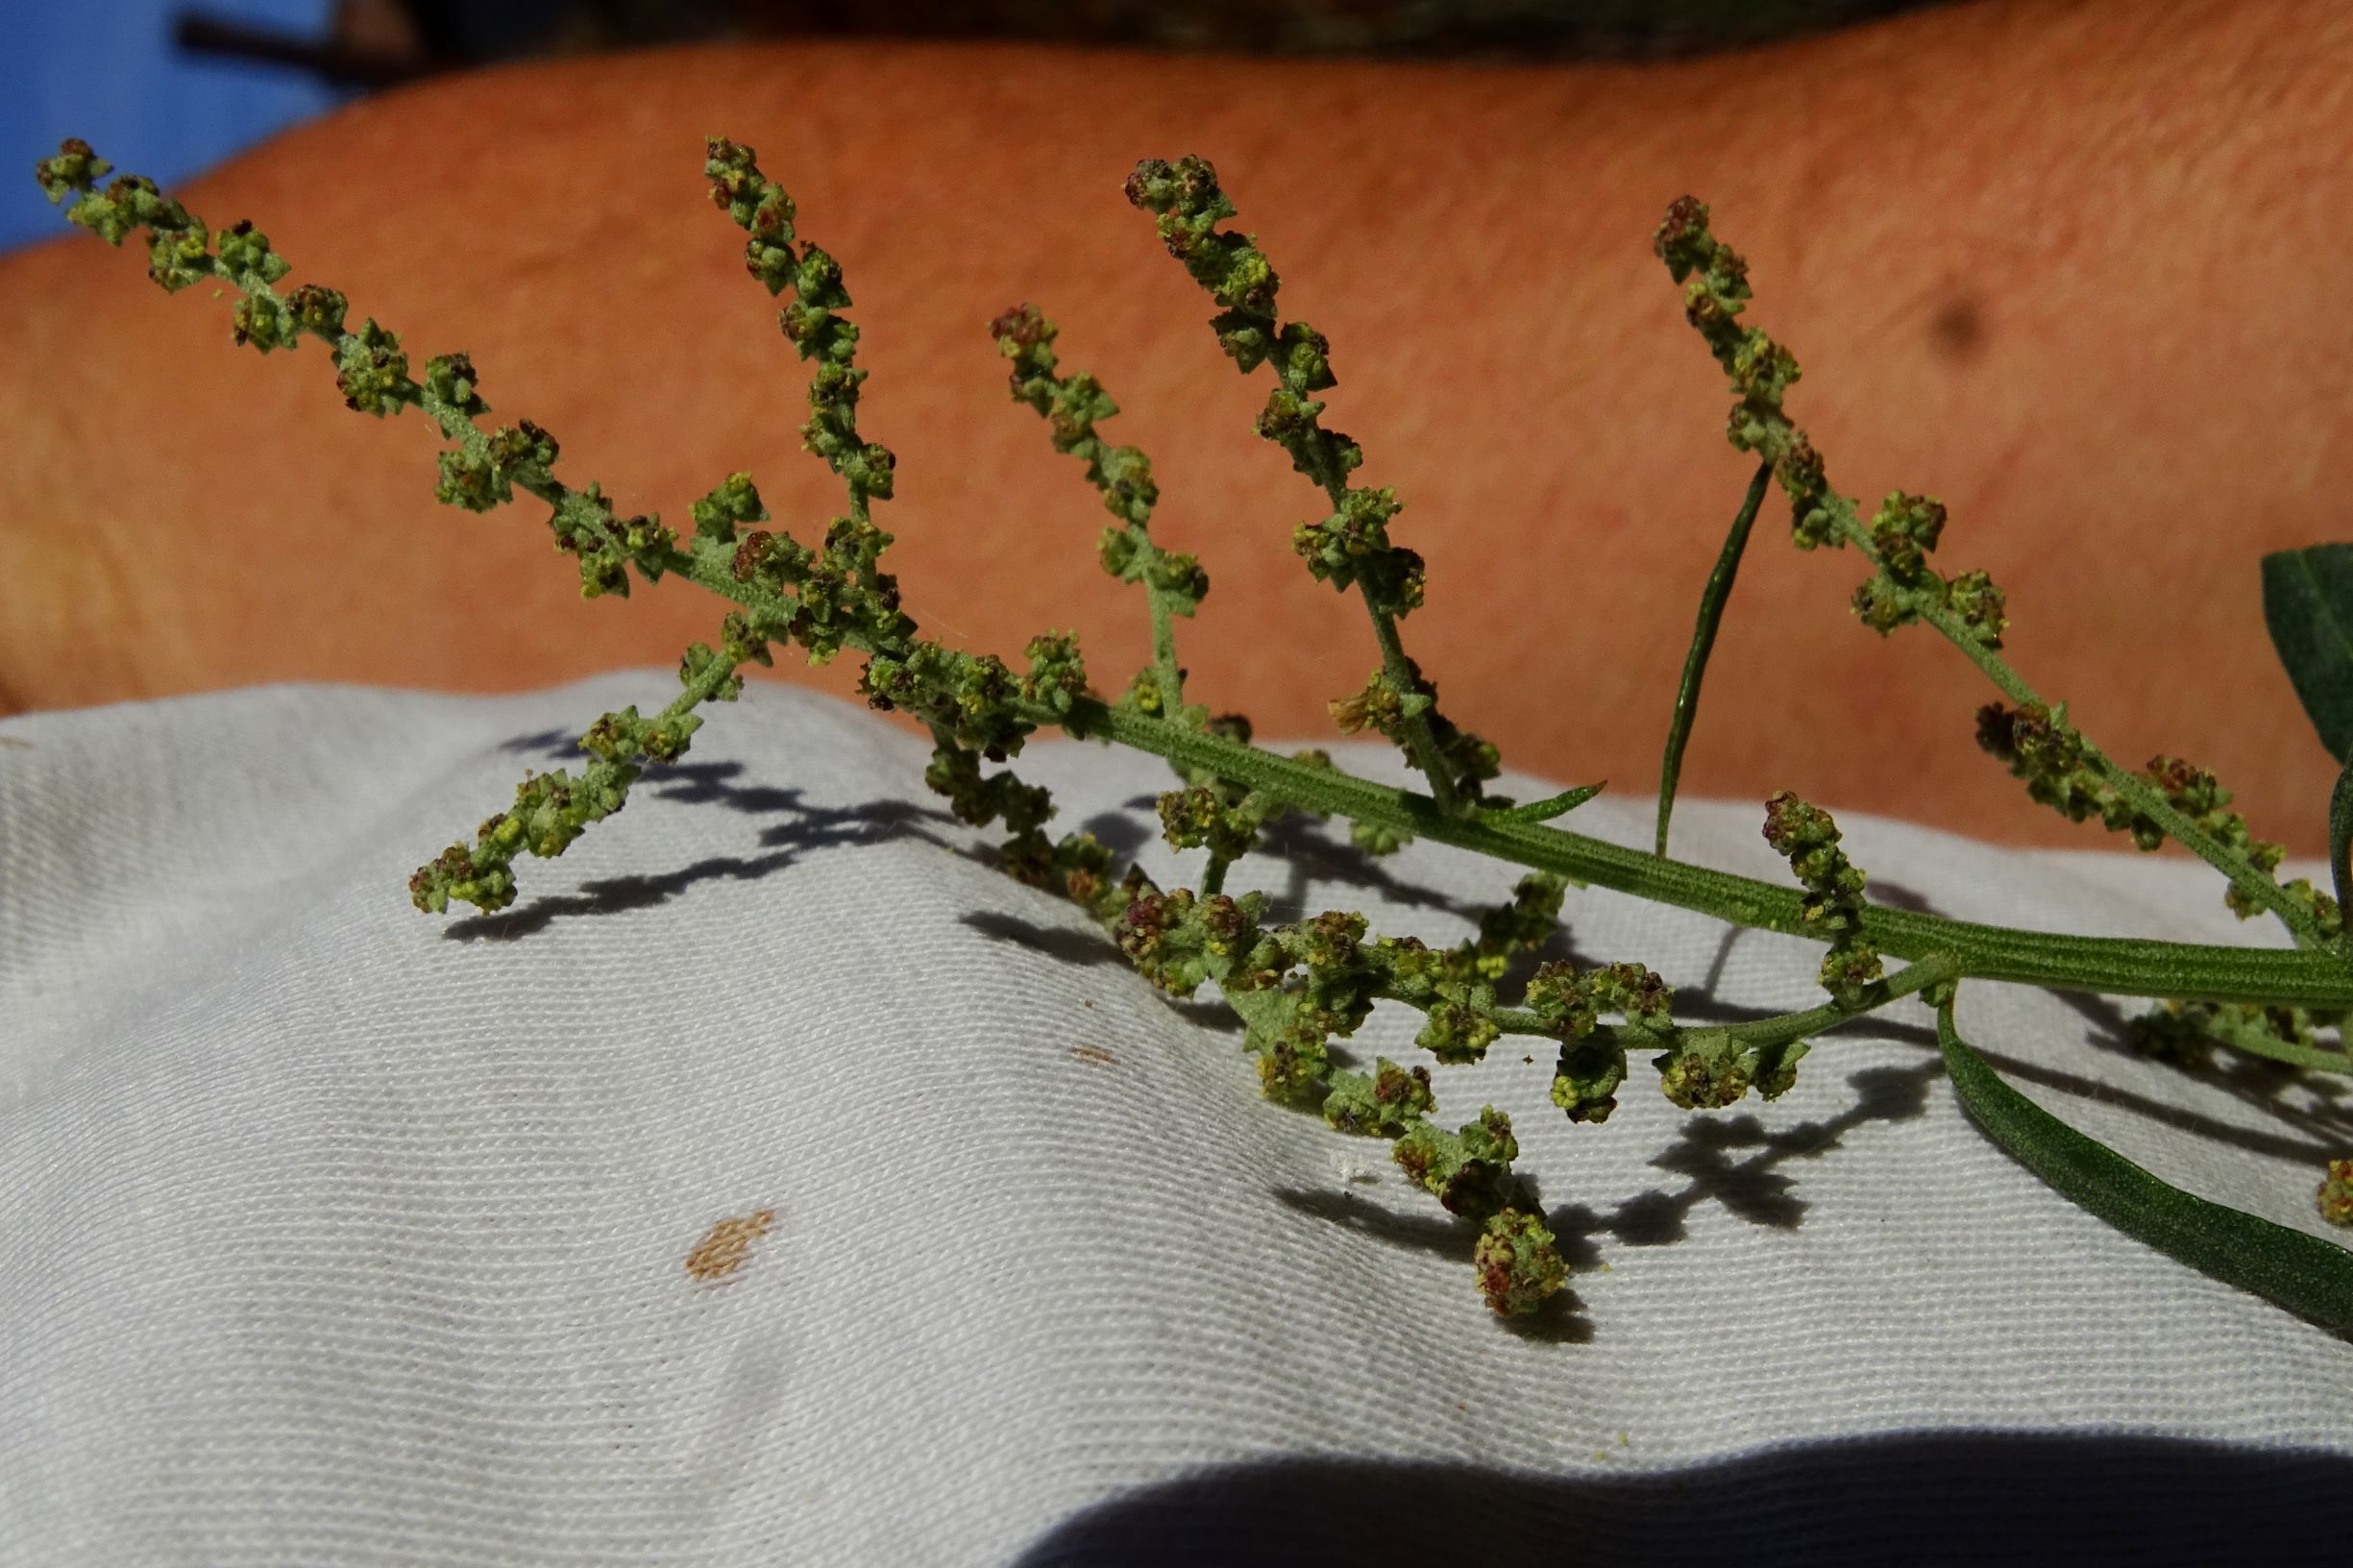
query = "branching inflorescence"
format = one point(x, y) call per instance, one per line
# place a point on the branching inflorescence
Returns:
point(1299, 984)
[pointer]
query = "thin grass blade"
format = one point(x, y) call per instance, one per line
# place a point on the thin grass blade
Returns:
point(1712, 600)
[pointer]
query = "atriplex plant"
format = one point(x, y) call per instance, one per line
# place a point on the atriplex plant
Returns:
point(1296, 986)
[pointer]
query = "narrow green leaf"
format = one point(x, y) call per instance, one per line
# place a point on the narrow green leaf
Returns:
point(2308, 1276)
point(1703, 642)
point(1545, 810)
point(2339, 841)
point(2308, 606)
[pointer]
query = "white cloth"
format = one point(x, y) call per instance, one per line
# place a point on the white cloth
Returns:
point(338, 1233)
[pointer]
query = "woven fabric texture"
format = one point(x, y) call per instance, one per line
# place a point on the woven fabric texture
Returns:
point(778, 1182)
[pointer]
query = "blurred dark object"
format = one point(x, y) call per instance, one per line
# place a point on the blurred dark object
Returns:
point(1498, 28)
point(375, 44)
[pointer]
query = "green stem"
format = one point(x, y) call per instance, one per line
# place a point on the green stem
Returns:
point(1421, 744)
point(1213, 875)
point(1783, 1028)
point(2261, 1043)
point(2109, 964)
point(1420, 741)
point(2145, 799)
point(1170, 679)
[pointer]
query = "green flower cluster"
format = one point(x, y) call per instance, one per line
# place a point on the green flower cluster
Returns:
point(2039, 747)
point(1834, 906)
point(811, 321)
point(1904, 531)
point(1592, 1064)
point(1350, 548)
point(1123, 475)
point(1302, 984)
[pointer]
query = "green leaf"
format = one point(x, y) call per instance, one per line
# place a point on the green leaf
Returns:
point(2340, 840)
point(2308, 1276)
point(1546, 809)
point(1703, 642)
point(2308, 606)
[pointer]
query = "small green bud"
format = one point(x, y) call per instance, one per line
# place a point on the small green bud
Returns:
point(451, 380)
point(1681, 239)
point(1977, 601)
point(1763, 370)
point(178, 259)
point(318, 310)
point(2335, 1193)
point(372, 373)
point(1518, 1267)
point(245, 256)
point(1129, 490)
point(523, 445)
point(1294, 1068)
point(1528, 922)
point(1567, 1006)
point(76, 168)
point(1178, 577)
point(1456, 1033)
point(1288, 417)
point(1587, 1080)
point(1352, 545)
point(737, 188)
point(1307, 363)
point(1057, 674)
point(475, 483)
point(131, 202)
point(1904, 530)
point(1832, 909)
point(1196, 818)
point(725, 511)
point(1702, 1072)
point(1384, 1105)
point(1469, 1171)
point(265, 321)
point(699, 664)
point(1076, 404)
point(817, 280)
point(1244, 337)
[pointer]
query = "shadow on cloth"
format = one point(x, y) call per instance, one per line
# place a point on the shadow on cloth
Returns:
point(807, 830)
point(1317, 859)
point(1910, 1498)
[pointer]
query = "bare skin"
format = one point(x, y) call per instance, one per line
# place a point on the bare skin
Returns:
point(2076, 270)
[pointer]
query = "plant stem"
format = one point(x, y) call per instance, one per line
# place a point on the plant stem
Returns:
point(1784, 1027)
point(2109, 964)
point(1164, 669)
point(1420, 742)
point(2145, 799)
point(1213, 875)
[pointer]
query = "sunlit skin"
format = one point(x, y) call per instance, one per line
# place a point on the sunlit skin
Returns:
point(2075, 270)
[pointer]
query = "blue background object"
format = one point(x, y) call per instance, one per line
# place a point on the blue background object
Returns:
point(107, 71)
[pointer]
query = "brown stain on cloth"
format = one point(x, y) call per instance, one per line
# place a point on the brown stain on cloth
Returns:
point(723, 1249)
